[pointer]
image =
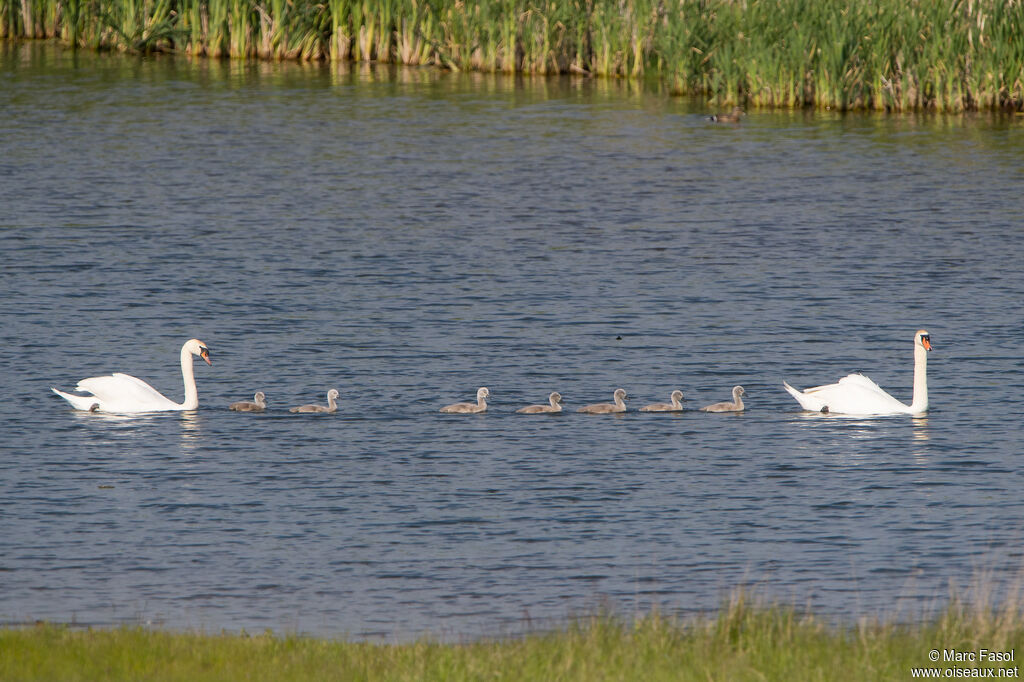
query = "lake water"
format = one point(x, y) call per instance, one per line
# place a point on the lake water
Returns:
point(406, 236)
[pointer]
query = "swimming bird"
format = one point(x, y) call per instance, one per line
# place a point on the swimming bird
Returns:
point(735, 406)
point(555, 400)
point(675, 406)
point(258, 405)
point(607, 408)
point(470, 408)
point(124, 393)
point(332, 406)
point(857, 394)
point(731, 117)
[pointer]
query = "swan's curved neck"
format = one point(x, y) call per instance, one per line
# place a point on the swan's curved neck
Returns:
point(191, 394)
point(737, 400)
point(619, 402)
point(331, 401)
point(676, 403)
point(920, 403)
point(481, 401)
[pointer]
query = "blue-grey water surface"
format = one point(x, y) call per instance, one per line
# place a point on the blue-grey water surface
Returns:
point(406, 236)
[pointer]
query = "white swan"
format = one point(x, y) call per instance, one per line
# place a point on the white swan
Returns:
point(124, 393)
point(856, 394)
point(332, 406)
point(608, 408)
point(675, 406)
point(470, 408)
point(735, 406)
point(259, 404)
point(554, 406)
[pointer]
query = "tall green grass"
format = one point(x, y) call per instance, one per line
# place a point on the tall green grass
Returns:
point(743, 642)
point(947, 55)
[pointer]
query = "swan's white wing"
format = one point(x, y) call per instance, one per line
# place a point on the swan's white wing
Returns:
point(125, 393)
point(807, 400)
point(863, 382)
point(853, 394)
point(79, 402)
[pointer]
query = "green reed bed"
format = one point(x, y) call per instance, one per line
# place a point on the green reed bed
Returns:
point(742, 643)
point(947, 55)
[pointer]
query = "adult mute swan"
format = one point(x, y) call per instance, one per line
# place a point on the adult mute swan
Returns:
point(554, 406)
point(332, 406)
point(470, 408)
point(124, 393)
point(735, 406)
point(856, 394)
point(675, 406)
point(608, 408)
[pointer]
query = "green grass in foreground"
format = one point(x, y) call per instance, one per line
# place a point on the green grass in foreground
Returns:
point(742, 643)
point(947, 55)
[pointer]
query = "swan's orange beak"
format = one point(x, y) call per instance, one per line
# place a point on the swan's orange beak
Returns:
point(926, 342)
point(205, 355)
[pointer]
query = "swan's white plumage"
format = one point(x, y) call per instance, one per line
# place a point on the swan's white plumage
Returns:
point(126, 394)
point(79, 402)
point(853, 394)
point(858, 395)
point(124, 390)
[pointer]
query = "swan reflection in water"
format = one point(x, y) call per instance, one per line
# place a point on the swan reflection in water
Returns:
point(191, 431)
point(920, 428)
point(191, 423)
point(921, 438)
point(829, 431)
point(125, 419)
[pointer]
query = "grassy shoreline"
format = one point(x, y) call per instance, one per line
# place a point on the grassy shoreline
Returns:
point(941, 55)
point(743, 642)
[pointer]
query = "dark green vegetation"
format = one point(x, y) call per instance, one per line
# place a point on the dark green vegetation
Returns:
point(947, 55)
point(742, 643)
